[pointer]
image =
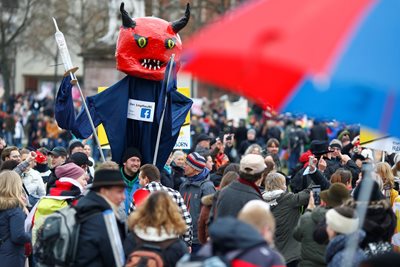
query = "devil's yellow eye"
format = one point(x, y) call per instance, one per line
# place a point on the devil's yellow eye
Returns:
point(169, 43)
point(140, 41)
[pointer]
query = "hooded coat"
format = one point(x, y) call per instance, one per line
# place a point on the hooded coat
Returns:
point(13, 237)
point(232, 236)
point(285, 207)
point(312, 253)
point(335, 251)
point(94, 247)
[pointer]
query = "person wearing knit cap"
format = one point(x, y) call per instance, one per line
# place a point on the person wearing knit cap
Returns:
point(196, 186)
point(342, 224)
point(311, 224)
point(106, 193)
point(67, 190)
point(131, 162)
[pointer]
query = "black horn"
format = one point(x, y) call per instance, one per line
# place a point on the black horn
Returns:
point(127, 21)
point(179, 24)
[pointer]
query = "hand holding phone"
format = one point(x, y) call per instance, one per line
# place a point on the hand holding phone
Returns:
point(316, 190)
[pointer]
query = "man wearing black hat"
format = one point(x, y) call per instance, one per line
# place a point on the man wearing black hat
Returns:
point(94, 243)
point(58, 156)
point(131, 162)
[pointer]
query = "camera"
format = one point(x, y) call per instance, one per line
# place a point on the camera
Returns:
point(229, 137)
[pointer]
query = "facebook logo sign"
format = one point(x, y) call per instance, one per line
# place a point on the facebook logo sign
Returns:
point(145, 113)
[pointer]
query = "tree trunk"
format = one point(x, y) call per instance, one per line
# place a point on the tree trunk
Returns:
point(5, 73)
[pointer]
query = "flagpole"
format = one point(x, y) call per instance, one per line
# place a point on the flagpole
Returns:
point(66, 58)
point(163, 112)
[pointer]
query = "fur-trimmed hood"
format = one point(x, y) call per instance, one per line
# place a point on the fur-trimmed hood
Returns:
point(207, 200)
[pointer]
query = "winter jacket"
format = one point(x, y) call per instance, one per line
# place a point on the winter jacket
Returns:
point(192, 190)
point(286, 209)
point(34, 183)
point(335, 251)
point(94, 247)
point(150, 236)
point(230, 235)
point(177, 174)
point(13, 237)
point(312, 253)
point(379, 224)
point(233, 197)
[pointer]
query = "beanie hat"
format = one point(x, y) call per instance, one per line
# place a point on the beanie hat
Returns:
point(69, 170)
point(140, 196)
point(367, 154)
point(335, 195)
point(196, 161)
point(342, 220)
point(108, 177)
point(131, 152)
point(336, 143)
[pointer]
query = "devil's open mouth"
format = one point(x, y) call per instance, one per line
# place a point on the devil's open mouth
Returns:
point(152, 64)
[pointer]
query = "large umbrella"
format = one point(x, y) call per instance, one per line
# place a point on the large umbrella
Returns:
point(330, 58)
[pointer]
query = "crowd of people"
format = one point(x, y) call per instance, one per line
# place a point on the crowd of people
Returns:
point(271, 191)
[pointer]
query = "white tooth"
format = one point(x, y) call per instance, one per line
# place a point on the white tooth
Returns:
point(145, 60)
point(158, 67)
point(158, 62)
point(145, 65)
point(154, 68)
point(142, 63)
point(154, 60)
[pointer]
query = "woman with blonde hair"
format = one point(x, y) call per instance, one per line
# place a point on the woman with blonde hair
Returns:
point(12, 217)
point(384, 171)
point(157, 223)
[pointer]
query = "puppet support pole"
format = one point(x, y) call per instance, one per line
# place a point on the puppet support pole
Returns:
point(171, 62)
point(66, 58)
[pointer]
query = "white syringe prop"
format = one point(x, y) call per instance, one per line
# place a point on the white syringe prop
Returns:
point(69, 69)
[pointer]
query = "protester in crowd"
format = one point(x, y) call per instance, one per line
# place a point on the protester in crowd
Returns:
point(253, 149)
point(232, 199)
point(177, 168)
point(342, 222)
point(82, 160)
point(12, 216)
point(379, 223)
point(339, 160)
point(67, 190)
point(149, 179)
point(94, 242)
point(75, 146)
point(32, 180)
point(312, 253)
point(396, 166)
point(196, 186)
point(257, 213)
point(58, 156)
point(273, 151)
point(251, 139)
point(209, 203)
point(318, 131)
point(342, 176)
point(384, 172)
point(88, 151)
point(11, 152)
point(285, 207)
point(157, 222)
point(131, 162)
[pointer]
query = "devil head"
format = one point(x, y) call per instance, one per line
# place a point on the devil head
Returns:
point(145, 45)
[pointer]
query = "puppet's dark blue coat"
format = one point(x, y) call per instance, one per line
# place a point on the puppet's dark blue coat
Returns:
point(110, 108)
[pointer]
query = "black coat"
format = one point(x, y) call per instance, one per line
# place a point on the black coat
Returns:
point(94, 247)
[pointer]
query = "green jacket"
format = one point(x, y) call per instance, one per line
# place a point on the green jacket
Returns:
point(285, 207)
point(312, 253)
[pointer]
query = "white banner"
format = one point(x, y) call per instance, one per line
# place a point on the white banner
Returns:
point(141, 110)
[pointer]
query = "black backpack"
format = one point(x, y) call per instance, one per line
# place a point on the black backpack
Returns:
point(57, 238)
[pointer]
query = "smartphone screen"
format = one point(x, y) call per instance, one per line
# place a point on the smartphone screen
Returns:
point(316, 189)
